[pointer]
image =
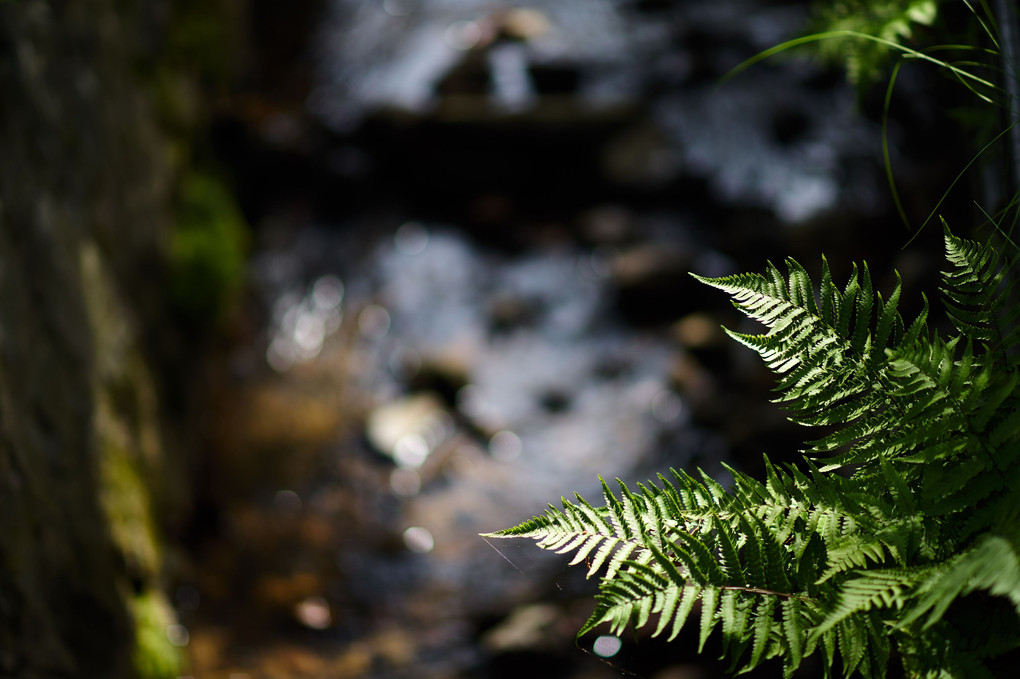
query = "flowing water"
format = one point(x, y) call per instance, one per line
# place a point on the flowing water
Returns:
point(497, 312)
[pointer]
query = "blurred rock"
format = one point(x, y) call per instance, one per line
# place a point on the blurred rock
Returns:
point(408, 430)
point(448, 48)
point(698, 331)
point(606, 224)
point(526, 23)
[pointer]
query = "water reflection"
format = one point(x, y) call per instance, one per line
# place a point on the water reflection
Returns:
point(493, 383)
point(301, 323)
point(776, 139)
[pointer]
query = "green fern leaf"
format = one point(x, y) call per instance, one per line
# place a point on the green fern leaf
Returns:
point(794, 631)
point(763, 630)
point(990, 565)
point(709, 606)
point(580, 528)
point(869, 589)
point(978, 299)
point(855, 566)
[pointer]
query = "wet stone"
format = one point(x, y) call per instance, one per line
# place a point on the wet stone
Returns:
point(408, 430)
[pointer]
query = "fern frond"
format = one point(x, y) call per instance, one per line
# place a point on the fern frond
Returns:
point(830, 354)
point(991, 565)
point(584, 530)
point(857, 566)
point(979, 299)
point(868, 589)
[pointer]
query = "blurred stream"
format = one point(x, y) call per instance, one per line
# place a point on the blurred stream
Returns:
point(470, 296)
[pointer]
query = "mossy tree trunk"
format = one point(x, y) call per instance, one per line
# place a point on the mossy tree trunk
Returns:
point(85, 208)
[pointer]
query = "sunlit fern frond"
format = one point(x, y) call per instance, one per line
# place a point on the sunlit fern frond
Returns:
point(829, 351)
point(879, 560)
point(744, 580)
point(603, 537)
point(758, 559)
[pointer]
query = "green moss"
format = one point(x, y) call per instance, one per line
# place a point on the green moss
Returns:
point(128, 505)
point(129, 510)
point(208, 250)
point(155, 657)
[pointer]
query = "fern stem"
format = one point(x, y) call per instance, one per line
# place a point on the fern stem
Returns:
point(759, 590)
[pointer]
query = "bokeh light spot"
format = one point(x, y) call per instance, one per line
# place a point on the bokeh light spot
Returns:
point(463, 35)
point(469, 400)
point(419, 540)
point(505, 446)
point(411, 450)
point(607, 646)
point(666, 406)
point(309, 333)
point(327, 293)
point(405, 482)
point(287, 502)
point(281, 354)
point(374, 321)
point(411, 239)
point(178, 635)
point(314, 612)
